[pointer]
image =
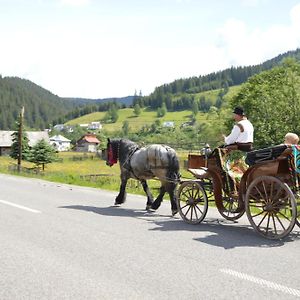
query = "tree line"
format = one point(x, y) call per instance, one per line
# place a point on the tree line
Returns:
point(42, 108)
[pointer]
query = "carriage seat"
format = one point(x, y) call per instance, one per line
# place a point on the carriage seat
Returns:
point(200, 173)
point(264, 154)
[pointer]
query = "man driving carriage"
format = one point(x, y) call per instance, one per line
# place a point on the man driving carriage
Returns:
point(241, 136)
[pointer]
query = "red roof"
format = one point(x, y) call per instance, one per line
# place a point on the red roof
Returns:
point(91, 139)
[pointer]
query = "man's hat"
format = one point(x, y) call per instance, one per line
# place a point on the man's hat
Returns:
point(239, 111)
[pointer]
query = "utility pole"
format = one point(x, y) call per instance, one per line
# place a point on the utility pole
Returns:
point(20, 134)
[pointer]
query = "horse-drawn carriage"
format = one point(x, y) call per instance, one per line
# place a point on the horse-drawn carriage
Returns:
point(268, 190)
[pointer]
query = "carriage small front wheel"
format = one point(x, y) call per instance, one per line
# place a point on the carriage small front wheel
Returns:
point(271, 207)
point(192, 202)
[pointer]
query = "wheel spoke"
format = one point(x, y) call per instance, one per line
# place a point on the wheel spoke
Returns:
point(262, 220)
point(187, 211)
point(279, 222)
point(280, 213)
point(184, 206)
point(267, 229)
point(262, 197)
point(199, 209)
point(265, 190)
point(272, 189)
point(274, 224)
point(258, 214)
point(196, 212)
point(252, 196)
point(277, 194)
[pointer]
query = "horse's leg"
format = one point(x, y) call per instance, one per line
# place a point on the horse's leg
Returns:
point(148, 193)
point(171, 189)
point(122, 194)
point(156, 204)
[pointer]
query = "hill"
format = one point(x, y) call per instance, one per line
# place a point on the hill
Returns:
point(127, 101)
point(43, 108)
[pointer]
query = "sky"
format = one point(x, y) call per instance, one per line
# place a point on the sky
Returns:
point(114, 48)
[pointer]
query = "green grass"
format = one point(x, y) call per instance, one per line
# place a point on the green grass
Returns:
point(71, 171)
point(135, 123)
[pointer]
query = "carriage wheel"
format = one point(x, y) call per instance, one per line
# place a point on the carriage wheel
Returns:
point(232, 208)
point(298, 211)
point(271, 207)
point(192, 202)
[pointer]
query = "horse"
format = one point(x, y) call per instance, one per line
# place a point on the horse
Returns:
point(143, 163)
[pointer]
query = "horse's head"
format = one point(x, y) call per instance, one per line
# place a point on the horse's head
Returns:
point(112, 153)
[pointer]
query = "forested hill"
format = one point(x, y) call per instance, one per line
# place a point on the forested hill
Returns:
point(217, 80)
point(41, 106)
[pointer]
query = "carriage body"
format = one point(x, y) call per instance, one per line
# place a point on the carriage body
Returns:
point(268, 190)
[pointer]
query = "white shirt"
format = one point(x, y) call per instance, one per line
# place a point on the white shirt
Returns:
point(237, 136)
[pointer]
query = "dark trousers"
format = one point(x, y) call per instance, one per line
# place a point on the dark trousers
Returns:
point(246, 147)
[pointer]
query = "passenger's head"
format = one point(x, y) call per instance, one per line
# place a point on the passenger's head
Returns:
point(238, 113)
point(291, 138)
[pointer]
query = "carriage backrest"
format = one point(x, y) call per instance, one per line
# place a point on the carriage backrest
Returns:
point(264, 154)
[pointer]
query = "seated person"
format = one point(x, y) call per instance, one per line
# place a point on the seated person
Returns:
point(291, 139)
point(271, 153)
point(241, 136)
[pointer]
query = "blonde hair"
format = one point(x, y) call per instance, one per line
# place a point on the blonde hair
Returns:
point(291, 138)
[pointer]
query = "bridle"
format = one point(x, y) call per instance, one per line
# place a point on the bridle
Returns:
point(111, 157)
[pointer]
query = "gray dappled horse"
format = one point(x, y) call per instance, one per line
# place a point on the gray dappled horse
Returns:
point(145, 163)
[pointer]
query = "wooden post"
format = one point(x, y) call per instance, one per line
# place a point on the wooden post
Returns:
point(20, 133)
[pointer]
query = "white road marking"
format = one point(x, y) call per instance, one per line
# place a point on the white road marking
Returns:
point(20, 206)
point(263, 282)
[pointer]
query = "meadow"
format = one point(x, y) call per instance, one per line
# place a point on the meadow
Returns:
point(148, 117)
point(83, 170)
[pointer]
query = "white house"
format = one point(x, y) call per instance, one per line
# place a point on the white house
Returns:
point(59, 127)
point(33, 137)
point(168, 124)
point(95, 125)
point(60, 143)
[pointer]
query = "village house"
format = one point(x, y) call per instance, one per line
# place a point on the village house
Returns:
point(168, 124)
point(33, 137)
point(87, 143)
point(95, 125)
point(60, 143)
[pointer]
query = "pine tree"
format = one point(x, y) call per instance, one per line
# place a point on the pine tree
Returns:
point(137, 109)
point(15, 145)
point(42, 153)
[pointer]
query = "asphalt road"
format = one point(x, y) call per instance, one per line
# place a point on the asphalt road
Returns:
point(66, 242)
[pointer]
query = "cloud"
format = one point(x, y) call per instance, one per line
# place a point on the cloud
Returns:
point(253, 3)
point(241, 45)
point(74, 2)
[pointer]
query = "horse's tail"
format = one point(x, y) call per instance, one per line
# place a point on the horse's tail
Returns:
point(173, 173)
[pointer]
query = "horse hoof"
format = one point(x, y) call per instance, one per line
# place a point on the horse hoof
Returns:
point(148, 207)
point(174, 212)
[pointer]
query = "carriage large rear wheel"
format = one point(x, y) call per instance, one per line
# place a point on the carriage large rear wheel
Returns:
point(271, 207)
point(298, 210)
point(192, 202)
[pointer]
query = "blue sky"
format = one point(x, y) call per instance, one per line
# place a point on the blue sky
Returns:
point(112, 48)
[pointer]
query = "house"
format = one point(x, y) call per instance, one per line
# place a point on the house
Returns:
point(87, 143)
point(33, 137)
point(60, 143)
point(95, 125)
point(59, 127)
point(168, 124)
